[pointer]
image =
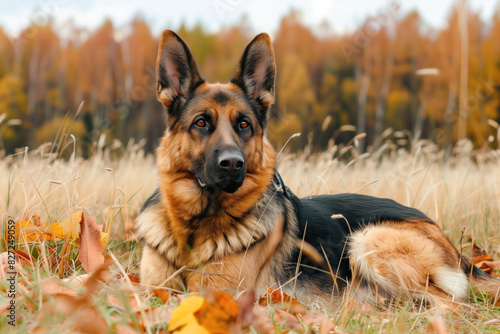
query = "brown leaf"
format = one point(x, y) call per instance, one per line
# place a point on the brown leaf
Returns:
point(77, 281)
point(123, 329)
point(246, 304)
point(81, 315)
point(91, 247)
point(100, 274)
point(291, 321)
point(51, 287)
point(261, 321)
point(131, 301)
point(24, 257)
point(437, 326)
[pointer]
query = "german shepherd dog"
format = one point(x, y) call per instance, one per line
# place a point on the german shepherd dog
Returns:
point(223, 218)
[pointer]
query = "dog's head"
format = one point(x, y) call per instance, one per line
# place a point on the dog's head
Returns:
point(215, 132)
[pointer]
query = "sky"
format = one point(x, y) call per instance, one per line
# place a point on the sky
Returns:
point(342, 15)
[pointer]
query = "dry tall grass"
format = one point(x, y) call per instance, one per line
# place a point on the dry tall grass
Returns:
point(459, 188)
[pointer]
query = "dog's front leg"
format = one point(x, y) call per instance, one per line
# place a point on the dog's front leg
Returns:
point(157, 271)
point(241, 271)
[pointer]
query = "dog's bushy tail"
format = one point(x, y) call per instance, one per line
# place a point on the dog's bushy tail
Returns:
point(484, 284)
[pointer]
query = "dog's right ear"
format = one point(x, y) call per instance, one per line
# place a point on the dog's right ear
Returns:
point(255, 74)
point(176, 72)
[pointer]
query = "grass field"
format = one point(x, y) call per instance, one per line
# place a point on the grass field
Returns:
point(459, 188)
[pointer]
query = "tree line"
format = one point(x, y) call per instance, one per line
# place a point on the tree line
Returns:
point(394, 71)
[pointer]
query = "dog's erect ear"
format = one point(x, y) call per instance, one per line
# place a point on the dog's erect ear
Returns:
point(176, 70)
point(256, 71)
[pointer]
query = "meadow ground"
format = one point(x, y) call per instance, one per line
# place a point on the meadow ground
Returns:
point(459, 188)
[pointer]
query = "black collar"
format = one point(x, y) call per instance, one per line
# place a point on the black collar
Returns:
point(280, 185)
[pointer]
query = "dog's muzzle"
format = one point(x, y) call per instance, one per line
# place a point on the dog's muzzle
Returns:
point(225, 172)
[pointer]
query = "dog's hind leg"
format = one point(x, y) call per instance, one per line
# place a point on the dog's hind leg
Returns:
point(398, 260)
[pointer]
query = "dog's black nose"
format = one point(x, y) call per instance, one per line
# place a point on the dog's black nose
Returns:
point(231, 161)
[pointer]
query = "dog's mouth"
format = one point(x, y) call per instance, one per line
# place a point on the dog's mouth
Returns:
point(228, 185)
point(201, 183)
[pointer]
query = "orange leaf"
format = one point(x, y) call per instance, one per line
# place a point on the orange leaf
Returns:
point(219, 315)
point(482, 258)
point(91, 247)
point(163, 294)
point(484, 261)
point(273, 296)
point(23, 256)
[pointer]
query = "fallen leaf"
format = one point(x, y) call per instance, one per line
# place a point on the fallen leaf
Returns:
point(261, 321)
point(91, 247)
point(291, 321)
point(23, 256)
point(218, 313)
point(130, 300)
point(56, 231)
point(133, 279)
point(274, 296)
point(27, 231)
point(72, 224)
point(51, 287)
point(246, 304)
point(101, 274)
point(35, 230)
point(163, 294)
point(81, 315)
point(485, 261)
point(122, 329)
point(437, 326)
point(183, 319)
point(77, 281)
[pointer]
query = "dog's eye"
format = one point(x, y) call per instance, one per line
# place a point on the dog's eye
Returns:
point(244, 124)
point(201, 123)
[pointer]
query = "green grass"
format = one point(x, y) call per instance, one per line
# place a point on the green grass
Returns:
point(461, 192)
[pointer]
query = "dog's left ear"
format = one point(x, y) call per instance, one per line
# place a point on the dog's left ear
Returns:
point(256, 71)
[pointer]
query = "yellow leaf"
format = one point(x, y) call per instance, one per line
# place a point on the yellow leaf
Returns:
point(71, 226)
point(27, 231)
point(57, 230)
point(183, 319)
point(104, 236)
